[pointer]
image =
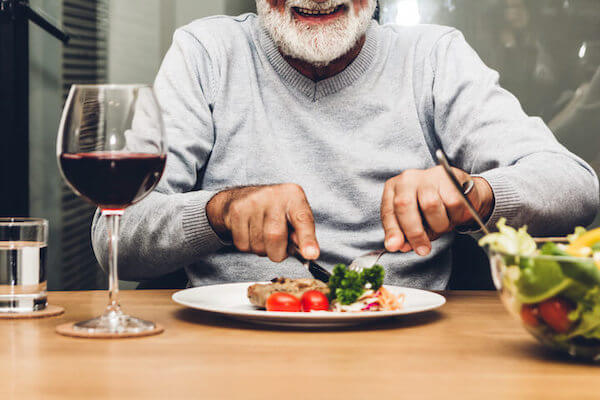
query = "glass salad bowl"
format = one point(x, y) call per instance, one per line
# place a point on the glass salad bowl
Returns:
point(555, 295)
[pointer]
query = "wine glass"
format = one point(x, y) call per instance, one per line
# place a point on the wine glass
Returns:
point(111, 151)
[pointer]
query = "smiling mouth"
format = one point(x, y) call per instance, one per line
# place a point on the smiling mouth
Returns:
point(319, 14)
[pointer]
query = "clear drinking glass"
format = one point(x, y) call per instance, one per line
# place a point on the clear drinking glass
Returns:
point(111, 151)
point(23, 243)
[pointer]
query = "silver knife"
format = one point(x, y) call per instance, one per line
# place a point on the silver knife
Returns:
point(315, 269)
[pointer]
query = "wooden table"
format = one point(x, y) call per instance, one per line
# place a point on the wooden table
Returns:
point(471, 348)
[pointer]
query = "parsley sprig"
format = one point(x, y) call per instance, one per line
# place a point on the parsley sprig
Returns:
point(347, 286)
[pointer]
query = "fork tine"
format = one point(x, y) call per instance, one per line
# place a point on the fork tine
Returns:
point(366, 260)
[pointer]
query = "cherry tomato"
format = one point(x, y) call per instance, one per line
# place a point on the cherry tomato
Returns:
point(530, 315)
point(283, 302)
point(314, 300)
point(555, 312)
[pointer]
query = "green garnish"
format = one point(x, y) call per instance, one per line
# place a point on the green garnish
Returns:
point(347, 286)
point(374, 276)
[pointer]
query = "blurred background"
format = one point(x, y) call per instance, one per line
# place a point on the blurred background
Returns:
point(547, 53)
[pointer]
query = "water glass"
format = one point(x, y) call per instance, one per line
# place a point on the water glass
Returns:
point(23, 245)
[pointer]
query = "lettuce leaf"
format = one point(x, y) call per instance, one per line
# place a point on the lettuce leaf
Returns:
point(509, 240)
point(587, 316)
point(579, 230)
point(540, 280)
point(581, 270)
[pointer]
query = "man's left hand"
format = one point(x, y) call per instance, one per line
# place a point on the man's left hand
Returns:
point(418, 206)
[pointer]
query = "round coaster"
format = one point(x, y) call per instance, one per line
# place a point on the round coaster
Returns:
point(49, 311)
point(67, 330)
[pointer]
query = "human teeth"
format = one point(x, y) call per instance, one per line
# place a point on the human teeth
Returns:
point(316, 12)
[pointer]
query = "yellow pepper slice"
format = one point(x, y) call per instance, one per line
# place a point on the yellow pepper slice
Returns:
point(581, 247)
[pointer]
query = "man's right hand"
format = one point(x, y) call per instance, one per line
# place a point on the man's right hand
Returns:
point(263, 219)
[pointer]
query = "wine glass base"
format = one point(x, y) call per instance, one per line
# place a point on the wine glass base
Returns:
point(114, 323)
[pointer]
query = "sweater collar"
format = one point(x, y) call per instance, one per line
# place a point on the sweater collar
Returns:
point(317, 90)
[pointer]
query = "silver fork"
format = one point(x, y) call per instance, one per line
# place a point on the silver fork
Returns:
point(366, 260)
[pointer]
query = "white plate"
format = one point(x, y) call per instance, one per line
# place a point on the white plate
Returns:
point(230, 299)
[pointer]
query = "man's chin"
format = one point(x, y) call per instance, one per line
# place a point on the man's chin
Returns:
point(314, 39)
point(317, 58)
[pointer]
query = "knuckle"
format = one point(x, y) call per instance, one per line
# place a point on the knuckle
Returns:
point(241, 245)
point(274, 235)
point(415, 233)
point(267, 191)
point(254, 200)
point(236, 209)
point(439, 170)
point(429, 204)
point(387, 212)
point(294, 188)
point(454, 203)
point(303, 216)
point(391, 230)
point(402, 201)
point(410, 174)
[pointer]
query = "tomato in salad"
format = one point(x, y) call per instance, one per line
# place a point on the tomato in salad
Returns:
point(530, 315)
point(283, 302)
point(555, 313)
point(313, 300)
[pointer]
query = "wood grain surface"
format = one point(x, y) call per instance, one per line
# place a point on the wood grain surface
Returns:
point(470, 349)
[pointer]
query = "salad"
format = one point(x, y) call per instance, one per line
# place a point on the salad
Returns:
point(554, 289)
point(347, 291)
point(352, 291)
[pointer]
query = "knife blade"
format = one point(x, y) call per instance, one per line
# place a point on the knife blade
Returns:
point(315, 269)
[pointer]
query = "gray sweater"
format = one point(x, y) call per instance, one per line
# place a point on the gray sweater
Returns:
point(237, 113)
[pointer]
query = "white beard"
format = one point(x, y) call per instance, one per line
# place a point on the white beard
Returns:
point(316, 44)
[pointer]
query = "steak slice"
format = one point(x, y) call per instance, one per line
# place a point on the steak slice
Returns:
point(260, 292)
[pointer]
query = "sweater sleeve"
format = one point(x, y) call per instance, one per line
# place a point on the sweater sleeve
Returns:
point(484, 131)
point(169, 229)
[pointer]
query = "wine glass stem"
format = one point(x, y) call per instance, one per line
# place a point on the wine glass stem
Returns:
point(112, 223)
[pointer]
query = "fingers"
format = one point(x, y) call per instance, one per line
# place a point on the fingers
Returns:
point(255, 230)
point(407, 211)
point(275, 234)
point(454, 204)
point(259, 218)
point(433, 209)
point(394, 238)
point(419, 206)
point(240, 231)
point(301, 219)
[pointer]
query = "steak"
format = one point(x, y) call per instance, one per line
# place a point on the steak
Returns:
point(260, 292)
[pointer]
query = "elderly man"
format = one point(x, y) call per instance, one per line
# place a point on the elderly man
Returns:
point(311, 123)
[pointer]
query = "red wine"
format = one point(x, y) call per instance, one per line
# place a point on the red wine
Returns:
point(113, 180)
